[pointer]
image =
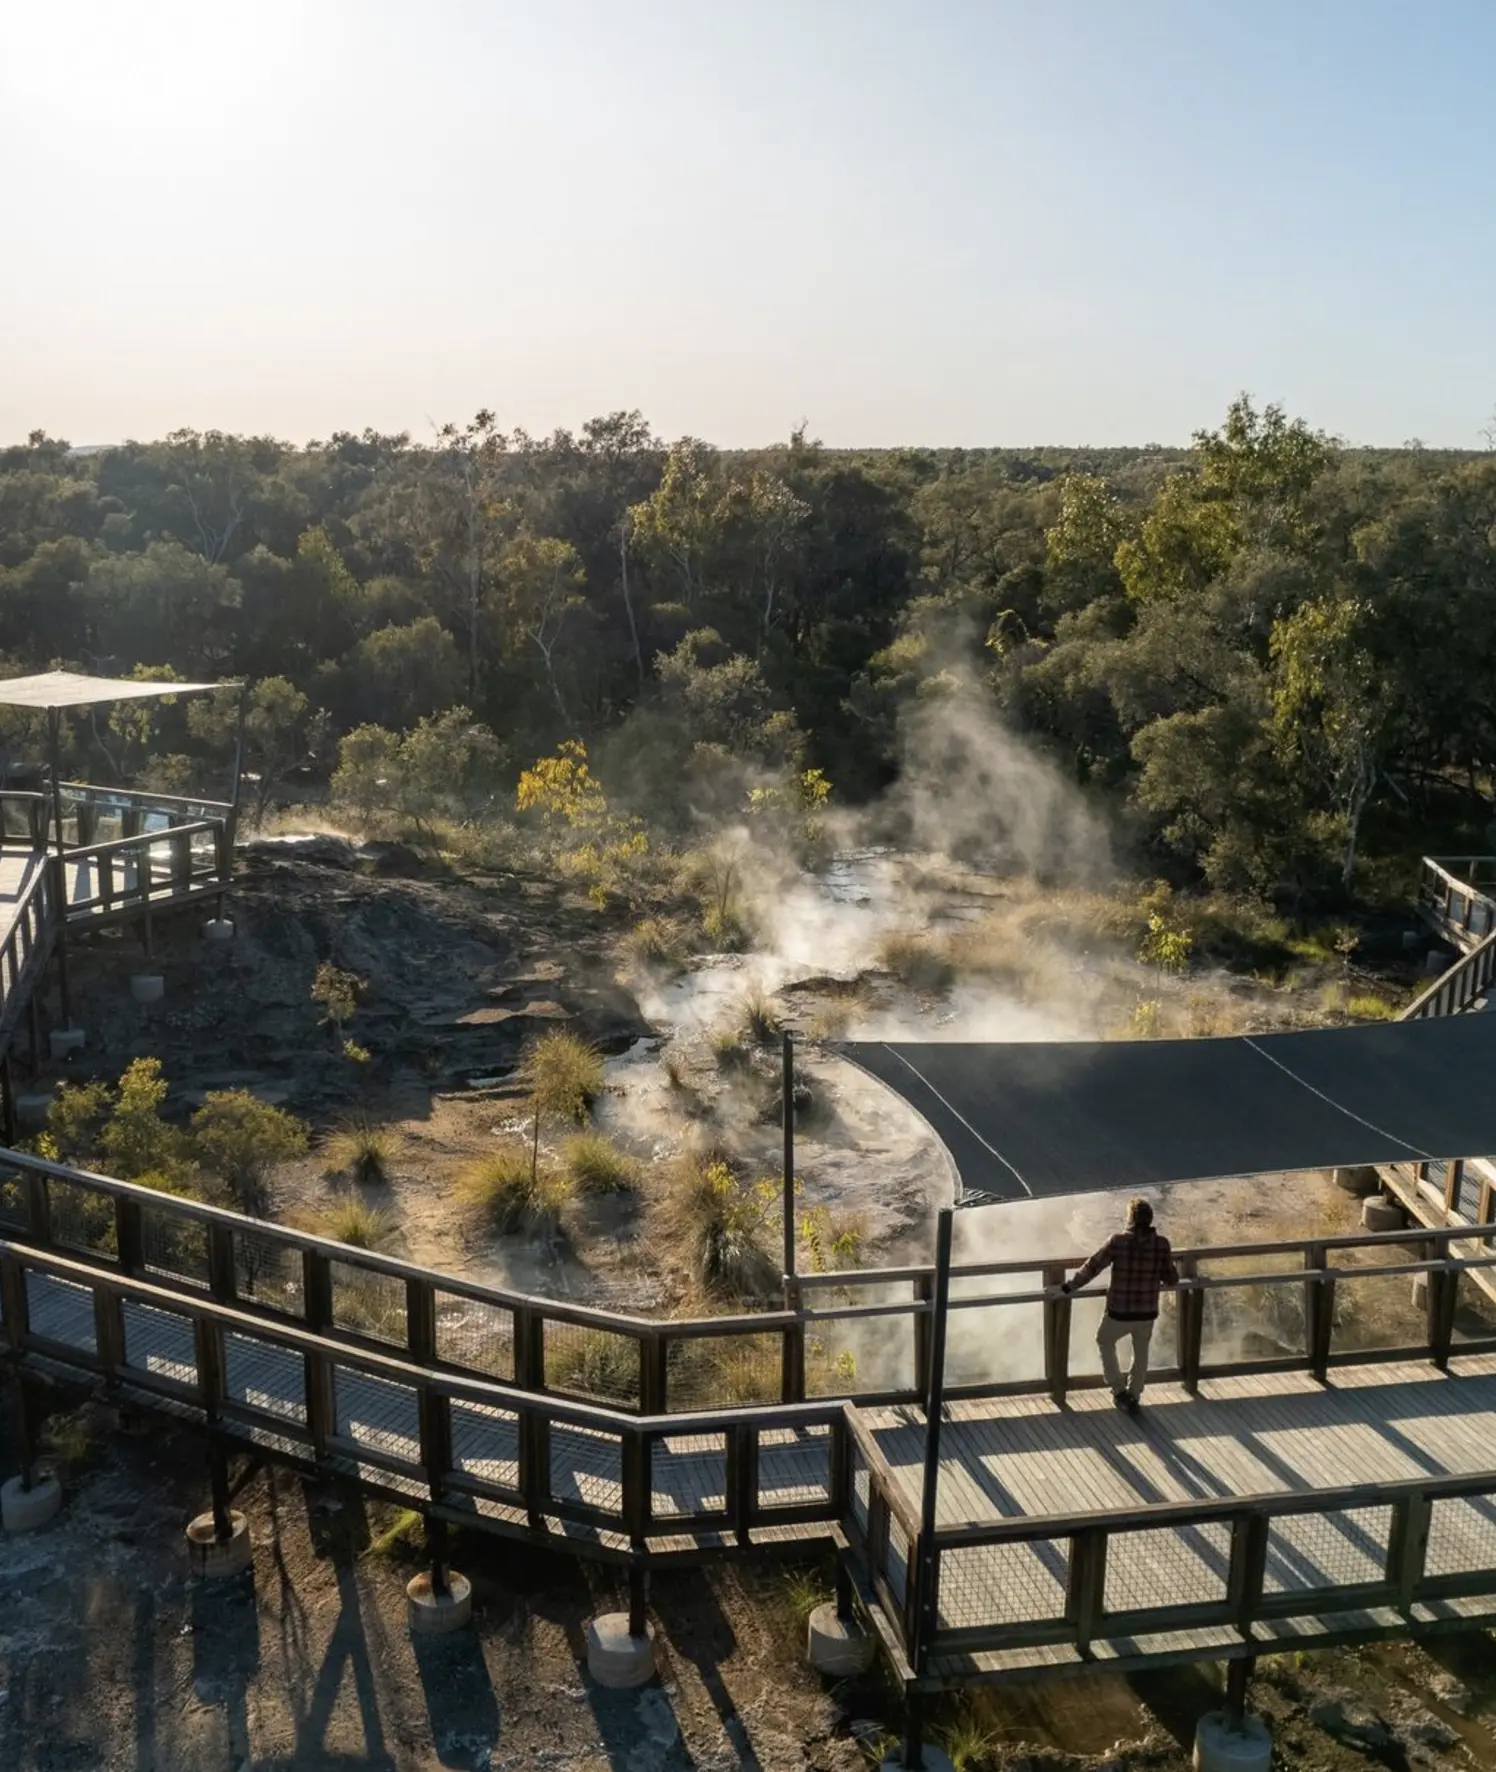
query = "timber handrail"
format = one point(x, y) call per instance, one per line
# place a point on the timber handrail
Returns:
point(1149, 1516)
point(144, 840)
point(165, 802)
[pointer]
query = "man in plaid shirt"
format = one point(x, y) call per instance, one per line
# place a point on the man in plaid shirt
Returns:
point(1141, 1262)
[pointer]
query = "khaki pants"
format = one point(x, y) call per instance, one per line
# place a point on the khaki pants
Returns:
point(1139, 1332)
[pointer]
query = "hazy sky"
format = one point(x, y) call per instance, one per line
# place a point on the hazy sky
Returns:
point(903, 221)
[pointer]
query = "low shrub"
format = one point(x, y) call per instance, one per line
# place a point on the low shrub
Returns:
point(915, 961)
point(761, 1023)
point(723, 1225)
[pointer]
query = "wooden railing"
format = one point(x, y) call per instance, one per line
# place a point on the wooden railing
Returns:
point(1000, 1585)
point(863, 1335)
point(24, 817)
point(1451, 896)
point(23, 955)
point(87, 808)
point(179, 862)
point(461, 1449)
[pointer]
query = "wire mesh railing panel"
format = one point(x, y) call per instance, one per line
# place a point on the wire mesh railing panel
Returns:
point(586, 1467)
point(597, 1365)
point(377, 1413)
point(1020, 1583)
point(159, 1342)
point(260, 1375)
point(995, 1344)
point(268, 1272)
point(173, 1246)
point(1256, 1320)
point(61, 1311)
point(1342, 1549)
point(81, 1218)
point(1376, 1311)
point(896, 1559)
point(860, 1486)
point(794, 1466)
point(12, 1202)
point(368, 1302)
point(475, 1336)
point(720, 1371)
point(1170, 1566)
point(688, 1475)
point(1462, 1537)
point(485, 1444)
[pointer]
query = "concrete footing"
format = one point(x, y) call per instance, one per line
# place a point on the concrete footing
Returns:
point(148, 987)
point(214, 1560)
point(931, 1759)
point(65, 1041)
point(1221, 1746)
point(23, 1510)
point(1378, 1213)
point(1359, 1180)
point(218, 929)
point(430, 1614)
point(837, 1646)
point(614, 1657)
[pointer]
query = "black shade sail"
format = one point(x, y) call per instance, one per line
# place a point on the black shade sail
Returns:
point(1036, 1119)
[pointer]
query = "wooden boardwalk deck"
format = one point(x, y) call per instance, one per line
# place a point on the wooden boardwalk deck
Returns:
point(18, 868)
point(1267, 1435)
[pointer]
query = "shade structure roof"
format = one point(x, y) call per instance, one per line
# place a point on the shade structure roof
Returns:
point(70, 689)
point(1028, 1119)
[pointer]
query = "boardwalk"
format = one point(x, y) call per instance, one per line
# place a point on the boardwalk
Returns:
point(18, 868)
point(1264, 1436)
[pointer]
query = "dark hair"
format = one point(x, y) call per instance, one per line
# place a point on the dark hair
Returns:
point(1139, 1215)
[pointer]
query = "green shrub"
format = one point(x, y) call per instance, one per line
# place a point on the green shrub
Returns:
point(240, 1139)
point(655, 941)
point(597, 1166)
point(723, 1226)
point(511, 1195)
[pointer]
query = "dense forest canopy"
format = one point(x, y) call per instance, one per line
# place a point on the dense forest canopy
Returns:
point(1264, 651)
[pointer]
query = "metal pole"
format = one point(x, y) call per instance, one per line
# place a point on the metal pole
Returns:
point(238, 776)
point(934, 1407)
point(789, 1153)
point(64, 981)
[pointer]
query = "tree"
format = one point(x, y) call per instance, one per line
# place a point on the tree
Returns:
point(465, 519)
point(542, 580)
point(281, 733)
point(679, 526)
point(1329, 710)
point(398, 675)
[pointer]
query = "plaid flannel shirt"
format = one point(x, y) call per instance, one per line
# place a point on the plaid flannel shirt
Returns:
point(1141, 1262)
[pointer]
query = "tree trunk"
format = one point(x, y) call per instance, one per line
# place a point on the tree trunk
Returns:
point(628, 601)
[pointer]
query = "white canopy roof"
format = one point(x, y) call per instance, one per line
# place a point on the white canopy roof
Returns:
point(70, 689)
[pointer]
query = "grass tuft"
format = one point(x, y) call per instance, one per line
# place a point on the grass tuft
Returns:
point(354, 1223)
point(723, 1224)
point(597, 1166)
point(363, 1150)
point(761, 1023)
point(510, 1198)
point(564, 1075)
point(916, 961)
